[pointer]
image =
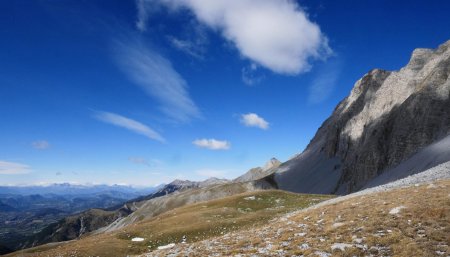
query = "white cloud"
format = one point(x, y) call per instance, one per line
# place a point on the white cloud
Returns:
point(212, 144)
point(12, 168)
point(253, 120)
point(40, 144)
point(156, 76)
point(276, 34)
point(129, 124)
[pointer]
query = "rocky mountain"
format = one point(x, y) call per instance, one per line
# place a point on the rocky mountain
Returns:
point(425, 158)
point(388, 117)
point(259, 172)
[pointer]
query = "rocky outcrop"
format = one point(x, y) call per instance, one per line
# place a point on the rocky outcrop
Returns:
point(387, 117)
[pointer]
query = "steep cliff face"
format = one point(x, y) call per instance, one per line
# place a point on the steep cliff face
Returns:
point(387, 117)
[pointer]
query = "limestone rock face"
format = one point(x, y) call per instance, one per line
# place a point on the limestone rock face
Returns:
point(387, 117)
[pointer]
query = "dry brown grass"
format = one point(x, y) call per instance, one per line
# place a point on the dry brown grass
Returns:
point(363, 223)
point(197, 222)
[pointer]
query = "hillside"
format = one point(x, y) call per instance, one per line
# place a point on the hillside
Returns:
point(187, 224)
point(170, 196)
point(410, 217)
point(159, 205)
point(388, 117)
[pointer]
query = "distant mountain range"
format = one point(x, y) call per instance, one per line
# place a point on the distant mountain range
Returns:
point(27, 210)
point(73, 189)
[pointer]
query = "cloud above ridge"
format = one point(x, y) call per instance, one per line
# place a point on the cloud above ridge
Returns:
point(275, 34)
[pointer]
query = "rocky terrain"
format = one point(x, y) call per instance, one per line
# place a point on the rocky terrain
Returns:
point(388, 117)
point(409, 217)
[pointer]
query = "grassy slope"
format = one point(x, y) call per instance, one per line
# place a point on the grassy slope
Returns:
point(360, 226)
point(196, 221)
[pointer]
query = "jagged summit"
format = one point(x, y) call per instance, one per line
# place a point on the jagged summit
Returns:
point(259, 172)
point(272, 163)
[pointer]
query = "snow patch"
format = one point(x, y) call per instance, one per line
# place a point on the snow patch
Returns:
point(162, 247)
point(396, 210)
point(250, 198)
point(137, 239)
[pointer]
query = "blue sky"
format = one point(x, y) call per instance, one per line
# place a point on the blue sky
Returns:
point(143, 92)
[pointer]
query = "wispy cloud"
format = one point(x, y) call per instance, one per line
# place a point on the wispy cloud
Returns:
point(251, 75)
point(155, 75)
point(129, 124)
point(187, 47)
point(40, 144)
point(324, 83)
point(254, 120)
point(194, 42)
point(212, 144)
point(275, 34)
point(13, 168)
point(143, 12)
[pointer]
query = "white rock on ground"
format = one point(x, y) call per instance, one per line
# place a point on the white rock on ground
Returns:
point(396, 210)
point(340, 246)
point(162, 247)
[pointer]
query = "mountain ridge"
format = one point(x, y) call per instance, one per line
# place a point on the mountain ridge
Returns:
point(388, 116)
